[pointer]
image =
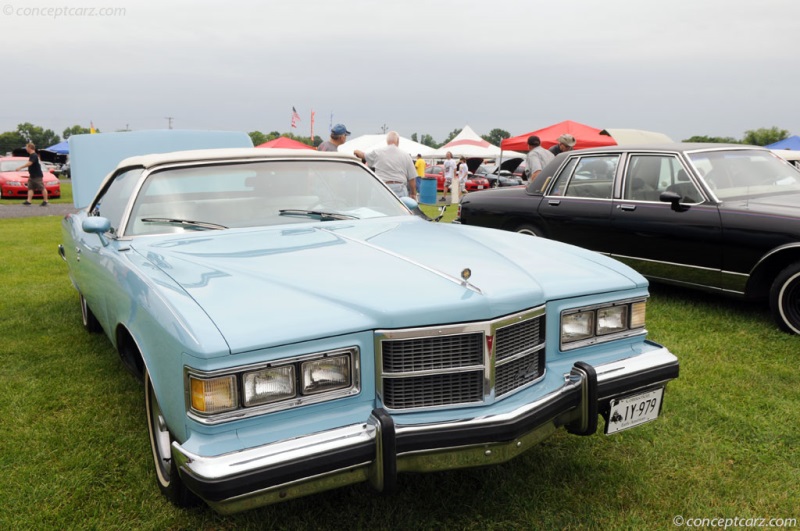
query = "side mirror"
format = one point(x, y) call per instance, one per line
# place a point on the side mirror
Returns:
point(409, 202)
point(97, 225)
point(674, 199)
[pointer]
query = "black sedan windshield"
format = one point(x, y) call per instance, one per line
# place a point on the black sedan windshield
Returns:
point(741, 173)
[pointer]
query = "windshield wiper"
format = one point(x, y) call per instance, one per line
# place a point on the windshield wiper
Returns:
point(323, 216)
point(185, 223)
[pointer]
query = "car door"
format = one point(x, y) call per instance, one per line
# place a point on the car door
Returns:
point(681, 242)
point(576, 208)
point(96, 272)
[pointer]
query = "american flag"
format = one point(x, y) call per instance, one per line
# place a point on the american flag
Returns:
point(295, 117)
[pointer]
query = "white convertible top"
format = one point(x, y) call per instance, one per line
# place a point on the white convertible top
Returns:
point(156, 159)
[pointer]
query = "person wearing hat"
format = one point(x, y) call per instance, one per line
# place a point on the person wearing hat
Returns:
point(565, 142)
point(537, 158)
point(338, 137)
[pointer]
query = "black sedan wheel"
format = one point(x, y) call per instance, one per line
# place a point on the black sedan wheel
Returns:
point(169, 481)
point(90, 322)
point(784, 299)
point(529, 230)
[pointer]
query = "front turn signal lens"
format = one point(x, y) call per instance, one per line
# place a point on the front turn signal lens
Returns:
point(638, 311)
point(213, 395)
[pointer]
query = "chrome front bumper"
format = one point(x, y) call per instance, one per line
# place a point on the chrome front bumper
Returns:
point(378, 449)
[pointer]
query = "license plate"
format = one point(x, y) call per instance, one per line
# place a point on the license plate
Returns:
point(480, 187)
point(631, 411)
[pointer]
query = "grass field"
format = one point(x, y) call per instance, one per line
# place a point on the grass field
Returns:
point(74, 450)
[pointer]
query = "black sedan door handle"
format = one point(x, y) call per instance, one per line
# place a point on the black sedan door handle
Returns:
point(554, 202)
point(627, 207)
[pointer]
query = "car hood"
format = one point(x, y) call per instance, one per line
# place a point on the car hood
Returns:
point(510, 165)
point(265, 287)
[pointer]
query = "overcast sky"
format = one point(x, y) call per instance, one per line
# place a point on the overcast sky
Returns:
point(679, 67)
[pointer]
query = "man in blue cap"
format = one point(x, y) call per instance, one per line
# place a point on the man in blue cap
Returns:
point(338, 137)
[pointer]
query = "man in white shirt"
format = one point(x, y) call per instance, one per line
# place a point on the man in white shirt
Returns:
point(393, 166)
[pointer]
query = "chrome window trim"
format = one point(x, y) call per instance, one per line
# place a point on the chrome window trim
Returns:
point(119, 233)
point(242, 412)
point(578, 157)
point(165, 166)
point(487, 328)
point(682, 161)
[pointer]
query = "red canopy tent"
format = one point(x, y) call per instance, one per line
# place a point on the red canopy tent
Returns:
point(284, 142)
point(585, 136)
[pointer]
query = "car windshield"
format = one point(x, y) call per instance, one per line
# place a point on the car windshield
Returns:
point(258, 194)
point(743, 173)
point(11, 165)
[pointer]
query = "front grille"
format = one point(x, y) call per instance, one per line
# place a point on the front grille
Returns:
point(460, 364)
point(434, 390)
point(518, 337)
point(517, 373)
point(431, 353)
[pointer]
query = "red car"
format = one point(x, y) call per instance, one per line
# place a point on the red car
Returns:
point(476, 182)
point(14, 184)
point(437, 171)
point(473, 182)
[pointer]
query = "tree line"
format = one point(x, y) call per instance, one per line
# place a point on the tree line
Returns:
point(27, 132)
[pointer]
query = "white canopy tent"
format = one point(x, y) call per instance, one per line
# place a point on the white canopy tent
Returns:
point(468, 144)
point(367, 143)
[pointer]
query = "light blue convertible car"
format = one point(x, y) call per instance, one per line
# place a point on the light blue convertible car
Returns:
point(299, 328)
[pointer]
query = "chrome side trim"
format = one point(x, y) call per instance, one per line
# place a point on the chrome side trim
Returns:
point(687, 275)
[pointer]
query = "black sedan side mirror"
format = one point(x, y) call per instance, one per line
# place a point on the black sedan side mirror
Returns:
point(674, 199)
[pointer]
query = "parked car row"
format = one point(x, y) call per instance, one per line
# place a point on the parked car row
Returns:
point(722, 218)
point(480, 176)
point(498, 177)
point(297, 328)
point(14, 184)
point(473, 182)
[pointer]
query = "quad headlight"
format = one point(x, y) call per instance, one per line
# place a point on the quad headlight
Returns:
point(252, 390)
point(586, 326)
point(269, 385)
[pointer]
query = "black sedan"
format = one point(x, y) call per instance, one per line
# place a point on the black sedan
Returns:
point(717, 217)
